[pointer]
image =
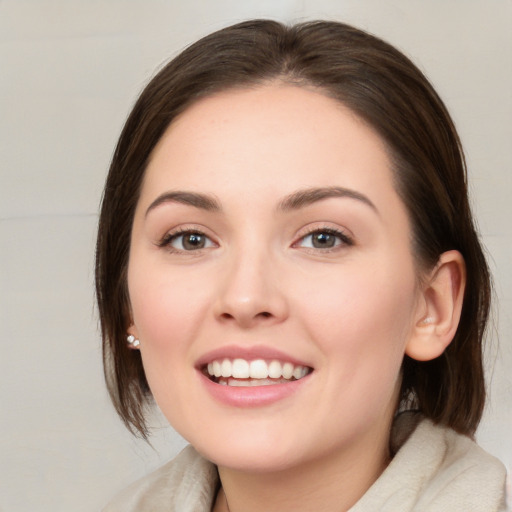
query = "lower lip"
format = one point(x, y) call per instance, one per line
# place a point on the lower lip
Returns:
point(252, 396)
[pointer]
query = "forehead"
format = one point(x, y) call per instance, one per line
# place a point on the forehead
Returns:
point(269, 140)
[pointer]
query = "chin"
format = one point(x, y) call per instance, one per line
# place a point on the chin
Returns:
point(252, 453)
point(252, 462)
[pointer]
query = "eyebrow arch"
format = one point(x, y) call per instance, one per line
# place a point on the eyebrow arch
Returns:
point(308, 196)
point(201, 201)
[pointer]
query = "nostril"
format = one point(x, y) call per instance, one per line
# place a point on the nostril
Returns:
point(229, 316)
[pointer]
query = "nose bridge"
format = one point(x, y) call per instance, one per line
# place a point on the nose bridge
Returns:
point(250, 291)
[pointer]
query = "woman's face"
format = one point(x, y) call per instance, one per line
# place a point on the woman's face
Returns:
point(269, 238)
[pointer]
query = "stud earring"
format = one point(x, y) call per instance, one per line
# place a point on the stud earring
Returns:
point(428, 320)
point(132, 341)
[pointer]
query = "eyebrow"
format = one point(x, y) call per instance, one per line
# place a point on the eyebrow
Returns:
point(308, 196)
point(201, 201)
point(295, 201)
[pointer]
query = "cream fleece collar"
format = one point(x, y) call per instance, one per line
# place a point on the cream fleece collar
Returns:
point(434, 470)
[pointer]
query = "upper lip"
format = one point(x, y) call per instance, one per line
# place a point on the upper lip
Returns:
point(249, 354)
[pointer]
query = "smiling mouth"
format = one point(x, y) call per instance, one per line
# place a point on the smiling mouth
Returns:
point(258, 372)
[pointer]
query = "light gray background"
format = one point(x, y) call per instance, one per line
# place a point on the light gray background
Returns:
point(69, 73)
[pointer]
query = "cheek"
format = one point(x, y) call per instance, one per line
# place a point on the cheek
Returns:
point(164, 307)
point(166, 314)
point(362, 320)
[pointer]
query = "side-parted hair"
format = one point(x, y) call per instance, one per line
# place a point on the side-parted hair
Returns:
point(384, 88)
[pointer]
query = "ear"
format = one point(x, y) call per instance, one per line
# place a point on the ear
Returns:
point(132, 330)
point(439, 308)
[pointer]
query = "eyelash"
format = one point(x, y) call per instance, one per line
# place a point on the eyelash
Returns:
point(344, 239)
point(169, 238)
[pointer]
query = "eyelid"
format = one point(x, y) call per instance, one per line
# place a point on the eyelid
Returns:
point(346, 238)
point(172, 234)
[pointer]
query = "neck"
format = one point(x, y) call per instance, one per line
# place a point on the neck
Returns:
point(332, 483)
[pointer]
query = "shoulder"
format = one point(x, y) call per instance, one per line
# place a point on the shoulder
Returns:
point(437, 470)
point(185, 484)
point(465, 475)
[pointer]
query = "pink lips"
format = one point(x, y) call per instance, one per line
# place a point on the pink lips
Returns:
point(254, 396)
point(248, 353)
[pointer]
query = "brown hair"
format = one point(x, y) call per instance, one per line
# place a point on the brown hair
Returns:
point(384, 88)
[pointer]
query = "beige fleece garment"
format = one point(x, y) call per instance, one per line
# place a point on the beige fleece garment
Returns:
point(435, 470)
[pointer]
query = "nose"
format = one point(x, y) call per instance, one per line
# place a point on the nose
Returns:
point(251, 292)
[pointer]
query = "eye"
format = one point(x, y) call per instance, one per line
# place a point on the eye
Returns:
point(187, 241)
point(324, 239)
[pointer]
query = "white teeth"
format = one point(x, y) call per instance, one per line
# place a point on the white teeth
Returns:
point(297, 372)
point(275, 371)
point(240, 369)
point(287, 370)
point(255, 373)
point(237, 383)
point(247, 383)
point(225, 368)
point(258, 369)
point(217, 371)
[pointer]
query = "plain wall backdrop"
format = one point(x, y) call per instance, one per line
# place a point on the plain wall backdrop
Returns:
point(69, 74)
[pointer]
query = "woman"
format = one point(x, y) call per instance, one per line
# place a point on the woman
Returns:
point(288, 265)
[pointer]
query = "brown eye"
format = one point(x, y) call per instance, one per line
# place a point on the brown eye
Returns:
point(193, 241)
point(324, 239)
point(189, 241)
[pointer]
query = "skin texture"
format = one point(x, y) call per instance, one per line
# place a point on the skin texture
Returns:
point(349, 312)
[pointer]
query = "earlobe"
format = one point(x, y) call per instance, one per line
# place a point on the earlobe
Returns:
point(132, 329)
point(132, 339)
point(440, 308)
